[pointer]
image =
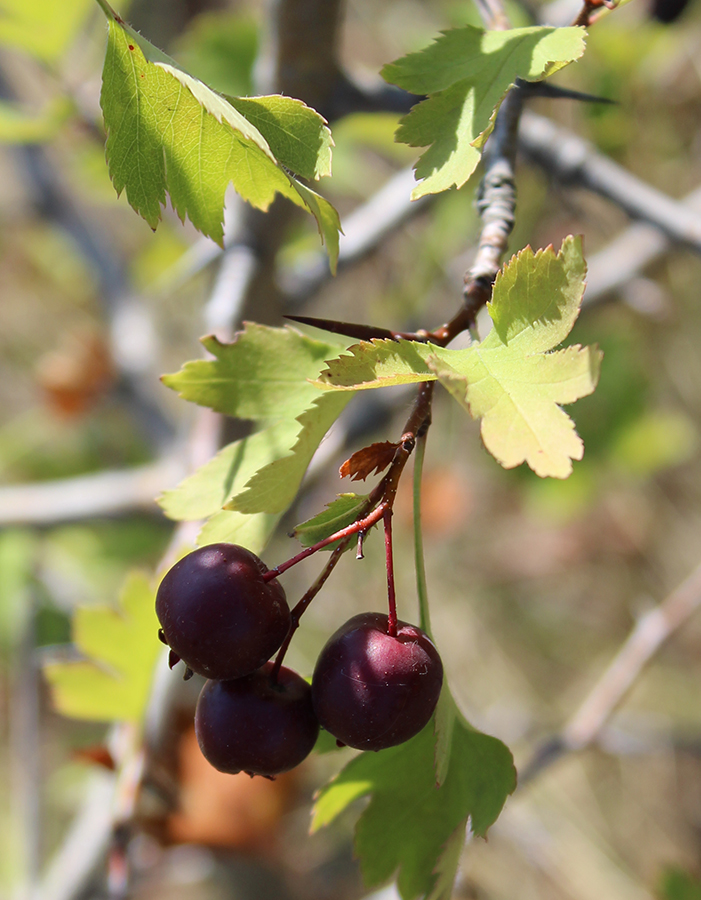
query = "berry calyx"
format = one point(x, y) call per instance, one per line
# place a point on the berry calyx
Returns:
point(372, 690)
point(217, 613)
point(256, 725)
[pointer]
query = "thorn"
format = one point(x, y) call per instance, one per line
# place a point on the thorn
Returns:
point(359, 552)
point(173, 659)
point(188, 673)
point(162, 637)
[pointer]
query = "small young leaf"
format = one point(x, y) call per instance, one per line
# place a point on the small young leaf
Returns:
point(275, 485)
point(121, 647)
point(342, 511)
point(167, 132)
point(374, 458)
point(263, 374)
point(466, 73)
point(409, 821)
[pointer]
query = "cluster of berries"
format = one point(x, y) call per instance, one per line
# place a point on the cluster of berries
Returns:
point(225, 619)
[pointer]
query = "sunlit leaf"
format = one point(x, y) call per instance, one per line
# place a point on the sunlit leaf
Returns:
point(509, 380)
point(168, 133)
point(466, 73)
point(261, 375)
point(121, 646)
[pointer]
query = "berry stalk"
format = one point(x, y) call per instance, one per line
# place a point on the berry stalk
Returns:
point(301, 607)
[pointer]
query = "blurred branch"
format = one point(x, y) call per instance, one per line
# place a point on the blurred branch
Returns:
point(363, 231)
point(575, 162)
point(626, 255)
point(648, 635)
point(101, 494)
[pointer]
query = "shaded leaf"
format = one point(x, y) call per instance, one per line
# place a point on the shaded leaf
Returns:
point(121, 647)
point(342, 511)
point(409, 822)
point(373, 458)
point(273, 488)
point(206, 491)
point(250, 531)
point(448, 863)
point(466, 73)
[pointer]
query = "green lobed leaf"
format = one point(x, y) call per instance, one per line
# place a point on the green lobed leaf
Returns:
point(378, 363)
point(206, 491)
point(121, 647)
point(448, 863)
point(410, 826)
point(250, 531)
point(294, 131)
point(342, 511)
point(466, 72)
point(43, 28)
point(274, 486)
point(169, 133)
point(509, 380)
point(261, 375)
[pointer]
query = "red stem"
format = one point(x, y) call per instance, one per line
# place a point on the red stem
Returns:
point(301, 607)
point(389, 562)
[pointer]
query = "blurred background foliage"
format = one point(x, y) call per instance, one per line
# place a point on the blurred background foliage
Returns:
point(535, 583)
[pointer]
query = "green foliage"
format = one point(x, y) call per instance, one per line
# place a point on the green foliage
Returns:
point(220, 48)
point(509, 379)
point(676, 884)
point(169, 133)
point(257, 476)
point(466, 73)
point(121, 647)
point(342, 511)
point(412, 826)
point(273, 488)
point(42, 28)
point(242, 381)
point(18, 550)
point(18, 126)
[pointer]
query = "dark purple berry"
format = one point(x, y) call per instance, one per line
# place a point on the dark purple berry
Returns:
point(371, 690)
point(218, 615)
point(254, 725)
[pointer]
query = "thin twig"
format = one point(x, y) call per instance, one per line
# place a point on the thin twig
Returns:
point(646, 638)
point(574, 161)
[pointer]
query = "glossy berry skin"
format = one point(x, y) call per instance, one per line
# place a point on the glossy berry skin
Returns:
point(252, 725)
point(217, 613)
point(371, 690)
